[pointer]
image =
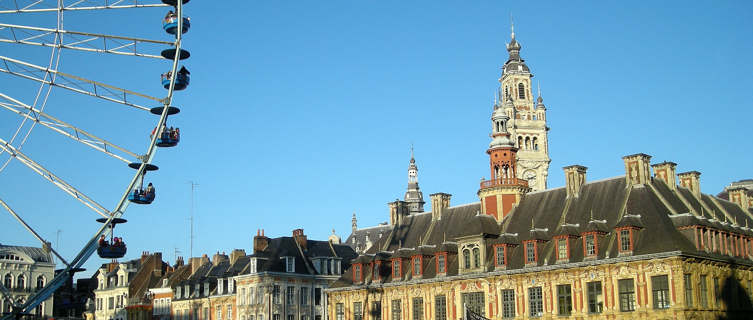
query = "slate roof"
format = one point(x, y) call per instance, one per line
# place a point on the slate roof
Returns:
point(657, 215)
point(36, 254)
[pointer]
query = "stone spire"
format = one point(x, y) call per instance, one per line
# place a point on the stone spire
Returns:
point(413, 196)
point(354, 223)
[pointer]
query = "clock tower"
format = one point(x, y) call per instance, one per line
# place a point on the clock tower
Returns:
point(527, 126)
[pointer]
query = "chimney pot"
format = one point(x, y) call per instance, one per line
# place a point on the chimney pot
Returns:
point(637, 169)
point(665, 171)
point(575, 178)
point(439, 202)
point(692, 181)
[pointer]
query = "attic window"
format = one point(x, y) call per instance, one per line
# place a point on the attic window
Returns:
point(396, 272)
point(563, 249)
point(626, 239)
point(589, 245)
point(357, 273)
point(289, 264)
point(417, 265)
point(500, 255)
point(530, 246)
point(375, 273)
point(442, 262)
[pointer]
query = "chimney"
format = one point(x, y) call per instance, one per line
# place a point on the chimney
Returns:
point(144, 255)
point(739, 195)
point(692, 181)
point(300, 238)
point(575, 178)
point(439, 202)
point(666, 172)
point(261, 242)
point(637, 169)
point(157, 261)
point(237, 253)
point(219, 258)
point(179, 262)
point(398, 209)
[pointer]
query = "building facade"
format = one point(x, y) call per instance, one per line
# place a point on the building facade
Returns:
point(23, 270)
point(648, 244)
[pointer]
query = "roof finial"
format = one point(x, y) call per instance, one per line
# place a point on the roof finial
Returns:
point(411, 150)
point(532, 225)
point(592, 214)
point(539, 85)
point(512, 27)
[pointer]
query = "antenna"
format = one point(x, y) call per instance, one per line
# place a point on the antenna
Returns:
point(193, 188)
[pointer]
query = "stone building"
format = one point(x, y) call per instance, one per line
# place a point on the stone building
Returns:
point(646, 244)
point(23, 270)
point(122, 288)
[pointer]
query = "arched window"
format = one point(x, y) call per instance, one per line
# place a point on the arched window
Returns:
point(535, 144)
point(528, 143)
point(476, 258)
point(40, 282)
point(40, 309)
point(534, 117)
point(521, 91)
point(520, 142)
point(8, 281)
point(467, 258)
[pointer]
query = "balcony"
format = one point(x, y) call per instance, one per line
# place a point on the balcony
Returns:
point(504, 182)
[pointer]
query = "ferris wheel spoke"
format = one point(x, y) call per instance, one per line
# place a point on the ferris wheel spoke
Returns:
point(27, 6)
point(82, 41)
point(74, 83)
point(45, 244)
point(60, 183)
point(67, 129)
point(7, 296)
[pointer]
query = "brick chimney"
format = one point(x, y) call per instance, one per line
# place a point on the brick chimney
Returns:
point(665, 171)
point(219, 258)
point(144, 256)
point(300, 238)
point(575, 178)
point(237, 253)
point(692, 181)
point(439, 202)
point(261, 242)
point(739, 195)
point(398, 209)
point(637, 169)
point(179, 261)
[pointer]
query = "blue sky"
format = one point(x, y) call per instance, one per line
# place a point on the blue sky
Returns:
point(300, 113)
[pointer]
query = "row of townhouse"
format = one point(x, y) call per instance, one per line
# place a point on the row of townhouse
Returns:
point(283, 278)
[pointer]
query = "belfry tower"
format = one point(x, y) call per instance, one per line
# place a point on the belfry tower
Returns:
point(527, 125)
point(505, 189)
point(413, 196)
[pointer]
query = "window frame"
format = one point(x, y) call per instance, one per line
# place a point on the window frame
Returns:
point(357, 310)
point(397, 265)
point(626, 294)
point(507, 297)
point(688, 284)
point(535, 302)
point(532, 244)
point(443, 264)
point(660, 292)
point(418, 308)
point(417, 271)
point(564, 300)
point(396, 309)
point(440, 307)
point(594, 297)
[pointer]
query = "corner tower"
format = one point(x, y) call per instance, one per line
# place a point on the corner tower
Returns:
point(505, 189)
point(413, 196)
point(527, 126)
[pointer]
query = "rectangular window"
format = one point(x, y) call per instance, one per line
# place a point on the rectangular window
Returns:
point(396, 269)
point(595, 299)
point(716, 291)
point(418, 308)
point(290, 264)
point(530, 252)
point(440, 307)
point(339, 311)
point(243, 296)
point(291, 317)
point(625, 240)
point(562, 249)
point(564, 299)
point(395, 310)
point(703, 291)
point(441, 263)
point(508, 303)
point(590, 245)
point(357, 272)
point(230, 312)
point(318, 296)
point(304, 296)
point(535, 302)
point(219, 312)
point(688, 290)
point(111, 303)
point(376, 310)
point(276, 316)
point(276, 294)
point(627, 294)
point(206, 313)
point(416, 266)
point(474, 301)
point(357, 311)
point(500, 253)
point(290, 296)
point(375, 273)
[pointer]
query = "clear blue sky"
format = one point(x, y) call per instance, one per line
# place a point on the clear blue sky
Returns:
point(300, 113)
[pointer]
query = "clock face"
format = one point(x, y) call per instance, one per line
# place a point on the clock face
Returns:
point(531, 177)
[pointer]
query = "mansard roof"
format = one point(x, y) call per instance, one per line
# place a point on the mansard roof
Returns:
point(657, 214)
point(33, 253)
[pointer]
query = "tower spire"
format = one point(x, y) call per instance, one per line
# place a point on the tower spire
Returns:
point(413, 196)
point(512, 27)
point(353, 221)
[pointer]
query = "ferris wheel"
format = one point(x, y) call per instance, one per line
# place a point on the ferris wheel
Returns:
point(65, 86)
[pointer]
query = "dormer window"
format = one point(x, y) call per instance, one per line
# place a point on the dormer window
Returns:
point(467, 258)
point(417, 265)
point(338, 266)
point(357, 272)
point(590, 245)
point(500, 256)
point(625, 240)
point(230, 285)
point(177, 293)
point(252, 265)
point(219, 286)
point(442, 262)
point(289, 264)
point(563, 248)
point(396, 269)
point(476, 257)
point(206, 289)
point(531, 254)
point(375, 273)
